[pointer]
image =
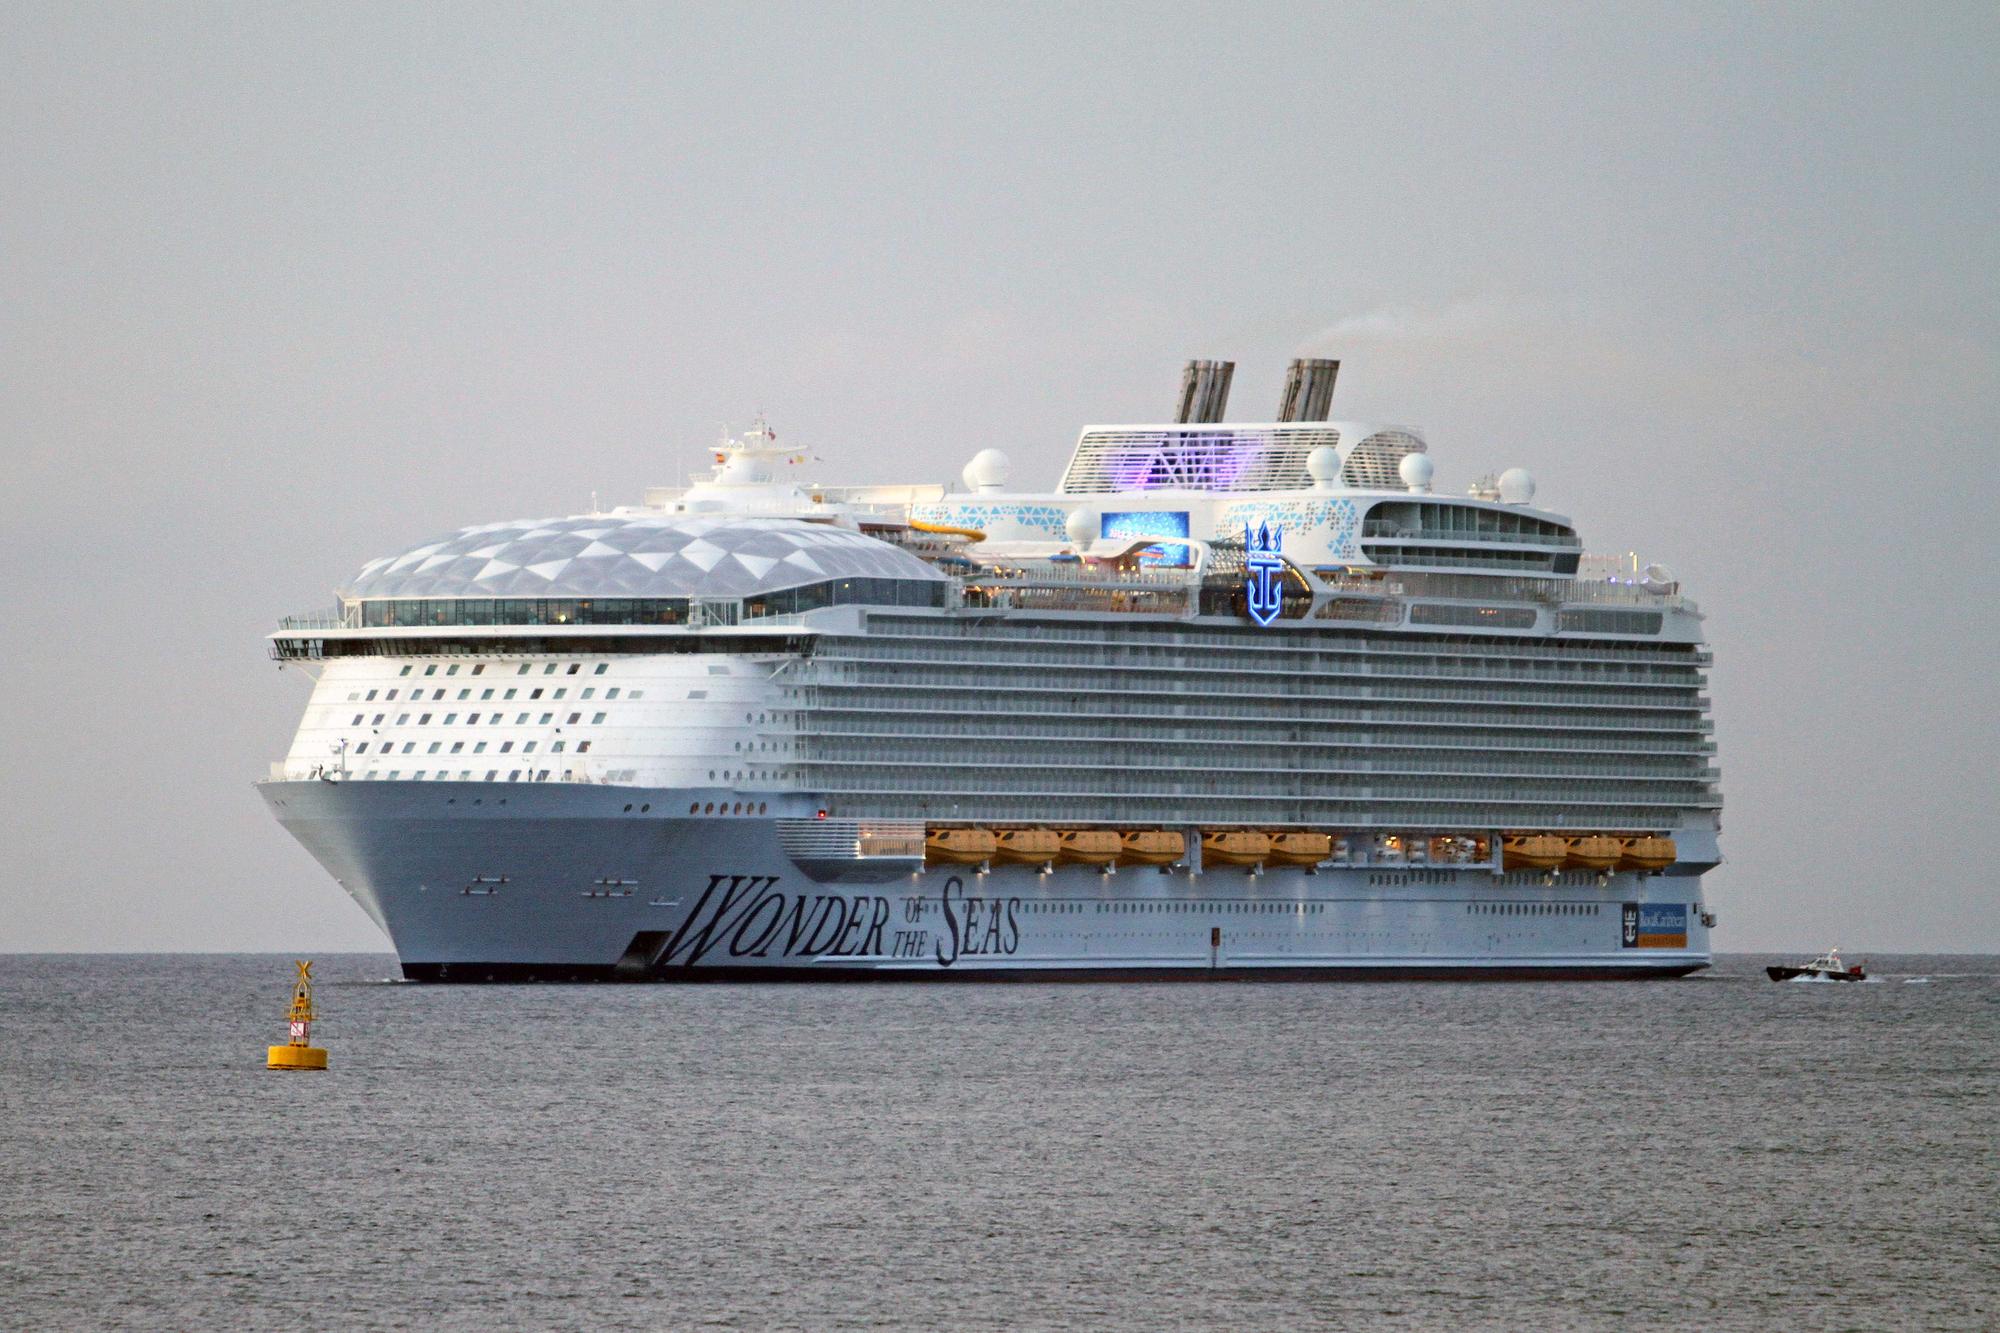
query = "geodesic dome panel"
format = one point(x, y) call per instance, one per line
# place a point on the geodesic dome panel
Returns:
point(595, 556)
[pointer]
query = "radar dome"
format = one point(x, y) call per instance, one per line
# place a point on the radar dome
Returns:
point(1323, 465)
point(1658, 578)
point(1082, 526)
point(1416, 470)
point(988, 470)
point(1517, 486)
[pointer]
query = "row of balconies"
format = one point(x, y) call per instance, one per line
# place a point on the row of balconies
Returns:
point(862, 700)
point(1265, 649)
point(949, 729)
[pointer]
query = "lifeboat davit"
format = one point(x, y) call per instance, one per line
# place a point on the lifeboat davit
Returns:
point(1301, 849)
point(1451, 849)
point(1235, 848)
point(1151, 847)
point(1090, 846)
point(1596, 853)
point(959, 846)
point(1028, 846)
point(1533, 851)
point(1647, 854)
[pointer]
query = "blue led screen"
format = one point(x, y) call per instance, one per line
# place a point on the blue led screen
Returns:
point(1131, 525)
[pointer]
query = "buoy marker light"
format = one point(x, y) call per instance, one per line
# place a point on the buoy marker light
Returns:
point(299, 1052)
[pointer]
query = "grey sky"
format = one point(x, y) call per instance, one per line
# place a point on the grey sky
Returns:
point(283, 289)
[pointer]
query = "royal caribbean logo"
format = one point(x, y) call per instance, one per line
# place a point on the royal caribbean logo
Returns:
point(1654, 926)
point(1265, 566)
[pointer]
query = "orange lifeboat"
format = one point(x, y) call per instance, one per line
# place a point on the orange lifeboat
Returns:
point(1028, 846)
point(1089, 846)
point(1533, 851)
point(1301, 849)
point(1648, 854)
point(959, 846)
point(1596, 853)
point(1151, 847)
point(1235, 847)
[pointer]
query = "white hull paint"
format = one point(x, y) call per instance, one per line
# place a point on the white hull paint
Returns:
point(563, 882)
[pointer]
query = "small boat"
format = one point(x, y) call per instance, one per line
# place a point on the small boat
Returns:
point(1090, 846)
point(1151, 847)
point(1533, 851)
point(1301, 849)
point(1596, 853)
point(959, 846)
point(1648, 854)
point(1826, 967)
point(1028, 846)
point(1235, 847)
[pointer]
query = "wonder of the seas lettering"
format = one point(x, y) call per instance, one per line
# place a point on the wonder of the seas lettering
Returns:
point(747, 916)
point(976, 926)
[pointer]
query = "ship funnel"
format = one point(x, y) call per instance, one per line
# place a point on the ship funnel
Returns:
point(1308, 390)
point(1205, 390)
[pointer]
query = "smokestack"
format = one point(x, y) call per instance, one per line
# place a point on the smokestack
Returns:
point(1308, 391)
point(1205, 390)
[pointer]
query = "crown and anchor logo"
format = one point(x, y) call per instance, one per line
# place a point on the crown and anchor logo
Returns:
point(1264, 563)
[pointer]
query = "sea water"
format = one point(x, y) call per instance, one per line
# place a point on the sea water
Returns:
point(1713, 1152)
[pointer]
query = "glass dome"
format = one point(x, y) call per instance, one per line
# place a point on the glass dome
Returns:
point(596, 556)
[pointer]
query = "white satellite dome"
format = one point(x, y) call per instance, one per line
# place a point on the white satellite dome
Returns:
point(1657, 578)
point(1323, 466)
point(1082, 526)
point(1416, 470)
point(1517, 486)
point(988, 470)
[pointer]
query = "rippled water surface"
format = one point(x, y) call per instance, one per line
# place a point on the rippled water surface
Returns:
point(1716, 1152)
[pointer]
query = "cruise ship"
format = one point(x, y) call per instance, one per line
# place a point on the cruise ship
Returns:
point(1231, 701)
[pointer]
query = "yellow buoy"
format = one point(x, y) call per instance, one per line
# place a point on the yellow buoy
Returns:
point(299, 1052)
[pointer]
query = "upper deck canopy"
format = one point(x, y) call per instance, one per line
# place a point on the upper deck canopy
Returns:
point(648, 556)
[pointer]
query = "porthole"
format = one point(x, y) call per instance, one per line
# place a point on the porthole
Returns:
point(644, 808)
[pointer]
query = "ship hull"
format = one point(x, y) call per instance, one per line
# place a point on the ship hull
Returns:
point(518, 882)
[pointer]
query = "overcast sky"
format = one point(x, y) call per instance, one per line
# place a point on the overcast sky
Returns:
point(285, 288)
